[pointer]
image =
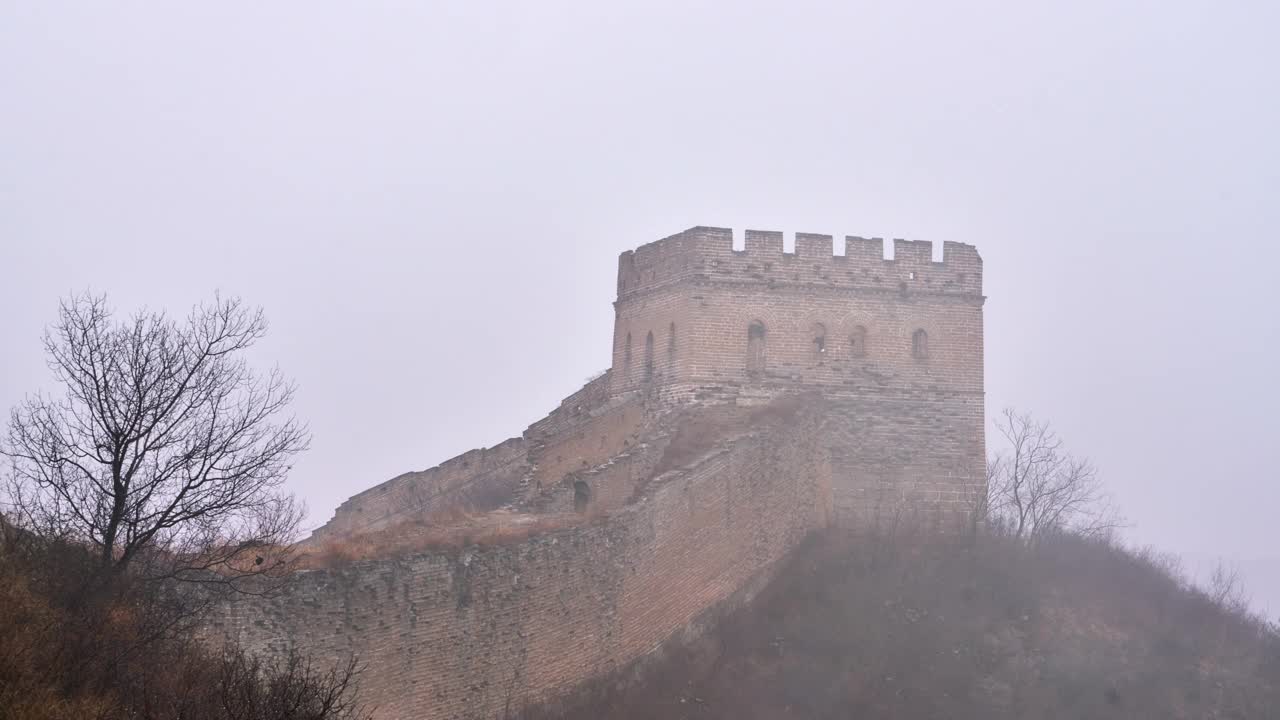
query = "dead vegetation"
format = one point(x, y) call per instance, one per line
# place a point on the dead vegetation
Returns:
point(145, 492)
point(1035, 486)
point(73, 647)
point(915, 626)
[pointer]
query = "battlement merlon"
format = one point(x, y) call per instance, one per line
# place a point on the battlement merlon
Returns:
point(707, 253)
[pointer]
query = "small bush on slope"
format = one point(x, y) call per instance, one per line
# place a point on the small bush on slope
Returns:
point(918, 627)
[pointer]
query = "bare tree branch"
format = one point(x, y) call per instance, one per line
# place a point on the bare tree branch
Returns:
point(166, 452)
point(1036, 487)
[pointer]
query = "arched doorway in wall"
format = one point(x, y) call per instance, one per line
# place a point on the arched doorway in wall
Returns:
point(581, 496)
point(756, 351)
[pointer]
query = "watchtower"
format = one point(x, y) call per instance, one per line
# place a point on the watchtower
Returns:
point(895, 345)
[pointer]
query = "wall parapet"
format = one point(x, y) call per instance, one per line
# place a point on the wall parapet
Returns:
point(574, 408)
point(707, 254)
point(477, 480)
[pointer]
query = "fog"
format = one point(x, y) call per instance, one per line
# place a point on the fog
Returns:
point(429, 199)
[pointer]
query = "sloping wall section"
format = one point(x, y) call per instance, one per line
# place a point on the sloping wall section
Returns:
point(477, 480)
point(481, 632)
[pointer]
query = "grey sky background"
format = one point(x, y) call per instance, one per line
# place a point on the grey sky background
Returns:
point(429, 199)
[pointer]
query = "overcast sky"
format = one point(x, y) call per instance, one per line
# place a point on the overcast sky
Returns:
point(428, 200)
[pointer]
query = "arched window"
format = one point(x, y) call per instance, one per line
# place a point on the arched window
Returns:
point(858, 341)
point(648, 357)
point(819, 332)
point(626, 355)
point(581, 496)
point(671, 341)
point(920, 345)
point(755, 348)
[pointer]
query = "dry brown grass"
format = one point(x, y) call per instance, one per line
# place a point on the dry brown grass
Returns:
point(76, 645)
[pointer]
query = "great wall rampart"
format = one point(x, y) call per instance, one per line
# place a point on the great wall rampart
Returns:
point(479, 632)
point(754, 396)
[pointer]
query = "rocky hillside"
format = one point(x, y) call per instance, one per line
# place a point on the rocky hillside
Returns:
point(911, 628)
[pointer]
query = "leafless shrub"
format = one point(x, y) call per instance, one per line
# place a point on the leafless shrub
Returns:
point(1035, 487)
point(1226, 587)
point(289, 689)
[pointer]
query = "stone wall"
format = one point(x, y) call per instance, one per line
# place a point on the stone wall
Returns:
point(662, 315)
point(581, 446)
point(602, 488)
point(584, 403)
point(586, 429)
point(480, 632)
point(476, 480)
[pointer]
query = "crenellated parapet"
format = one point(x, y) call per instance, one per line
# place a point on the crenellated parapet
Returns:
point(707, 254)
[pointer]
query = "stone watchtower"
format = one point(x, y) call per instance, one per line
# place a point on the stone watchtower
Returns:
point(704, 447)
point(895, 346)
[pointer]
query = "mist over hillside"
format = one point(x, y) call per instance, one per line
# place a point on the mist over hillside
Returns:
point(639, 359)
point(913, 627)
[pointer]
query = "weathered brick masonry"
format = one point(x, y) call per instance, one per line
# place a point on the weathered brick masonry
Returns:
point(754, 395)
point(479, 633)
point(479, 480)
point(895, 345)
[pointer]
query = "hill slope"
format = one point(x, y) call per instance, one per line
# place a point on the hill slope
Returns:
point(913, 628)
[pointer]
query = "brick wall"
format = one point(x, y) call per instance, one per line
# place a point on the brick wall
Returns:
point(586, 429)
point(476, 480)
point(583, 445)
point(662, 314)
point(572, 410)
point(605, 487)
point(477, 634)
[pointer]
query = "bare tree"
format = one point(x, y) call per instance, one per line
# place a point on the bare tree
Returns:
point(1035, 486)
point(1226, 588)
point(166, 452)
